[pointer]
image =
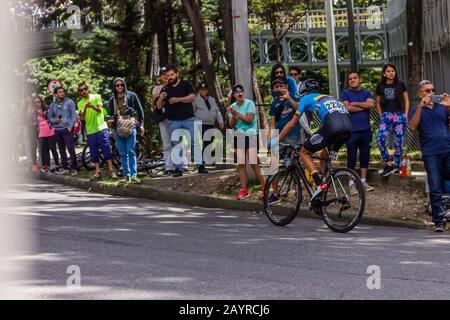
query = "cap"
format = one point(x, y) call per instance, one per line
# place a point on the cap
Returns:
point(162, 70)
point(203, 86)
point(281, 80)
point(238, 88)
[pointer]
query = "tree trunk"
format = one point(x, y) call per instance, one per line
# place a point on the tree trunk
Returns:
point(171, 23)
point(192, 9)
point(415, 55)
point(227, 27)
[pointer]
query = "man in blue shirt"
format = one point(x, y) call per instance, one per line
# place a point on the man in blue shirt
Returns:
point(62, 115)
point(432, 122)
point(358, 102)
point(335, 128)
point(282, 110)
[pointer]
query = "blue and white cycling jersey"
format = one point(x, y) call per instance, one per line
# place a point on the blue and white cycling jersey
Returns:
point(322, 104)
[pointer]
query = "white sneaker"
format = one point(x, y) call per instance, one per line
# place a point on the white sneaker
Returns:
point(353, 190)
point(62, 172)
point(368, 187)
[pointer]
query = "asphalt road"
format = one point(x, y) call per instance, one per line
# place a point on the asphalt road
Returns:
point(136, 249)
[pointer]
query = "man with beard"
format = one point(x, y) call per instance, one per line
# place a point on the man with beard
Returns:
point(177, 99)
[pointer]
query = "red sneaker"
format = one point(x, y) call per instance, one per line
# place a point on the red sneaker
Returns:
point(35, 168)
point(243, 194)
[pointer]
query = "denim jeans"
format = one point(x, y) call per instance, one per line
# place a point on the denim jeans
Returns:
point(194, 133)
point(127, 151)
point(435, 166)
point(167, 146)
point(64, 139)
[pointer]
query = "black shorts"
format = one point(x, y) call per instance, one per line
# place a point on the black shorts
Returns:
point(333, 135)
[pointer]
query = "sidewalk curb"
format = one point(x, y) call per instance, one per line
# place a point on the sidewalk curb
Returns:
point(151, 193)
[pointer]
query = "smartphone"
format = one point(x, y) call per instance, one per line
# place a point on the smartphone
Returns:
point(436, 99)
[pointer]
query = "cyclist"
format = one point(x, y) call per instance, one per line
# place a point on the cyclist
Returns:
point(335, 129)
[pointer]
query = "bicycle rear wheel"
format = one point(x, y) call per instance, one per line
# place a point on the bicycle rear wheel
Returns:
point(341, 209)
point(285, 185)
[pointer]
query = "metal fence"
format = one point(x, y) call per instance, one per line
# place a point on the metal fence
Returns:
point(436, 42)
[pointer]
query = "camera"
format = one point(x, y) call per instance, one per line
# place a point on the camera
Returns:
point(277, 94)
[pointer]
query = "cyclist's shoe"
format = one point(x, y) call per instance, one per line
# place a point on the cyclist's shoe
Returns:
point(334, 156)
point(273, 199)
point(323, 187)
point(35, 168)
point(243, 194)
point(169, 172)
point(73, 173)
point(388, 170)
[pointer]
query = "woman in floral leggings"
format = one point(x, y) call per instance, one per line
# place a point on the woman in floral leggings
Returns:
point(392, 104)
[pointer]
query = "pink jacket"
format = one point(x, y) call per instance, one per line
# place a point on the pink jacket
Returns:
point(44, 129)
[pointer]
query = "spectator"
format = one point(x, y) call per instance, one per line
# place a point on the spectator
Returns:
point(279, 71)
point(282, 111)
point(127, 105)
point(47, 141)
point(432, 122)
point(392, 104)
point(164, 124)
point(62, 116)
point(242, 117)
point(207, 111)
point(31, 139)
point(295, 73)
point(177, 101)
point(359, 102)
point(91, 110)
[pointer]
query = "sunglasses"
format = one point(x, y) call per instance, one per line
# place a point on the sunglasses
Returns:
point(294, 74)
point(83, 89)
point(120, 85)
point(430, 91)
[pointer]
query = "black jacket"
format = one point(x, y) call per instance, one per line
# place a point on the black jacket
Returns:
point(134, 107)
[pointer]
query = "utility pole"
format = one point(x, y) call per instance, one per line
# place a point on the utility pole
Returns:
point(241, 48)
point(332, 60)
point(351, 36)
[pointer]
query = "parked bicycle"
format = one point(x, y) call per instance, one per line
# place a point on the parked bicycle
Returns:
point(340, 210)
point(142, 154)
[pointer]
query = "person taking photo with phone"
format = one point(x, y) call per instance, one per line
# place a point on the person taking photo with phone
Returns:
point(431, 119)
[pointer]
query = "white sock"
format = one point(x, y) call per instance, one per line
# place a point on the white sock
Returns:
point(363, 180)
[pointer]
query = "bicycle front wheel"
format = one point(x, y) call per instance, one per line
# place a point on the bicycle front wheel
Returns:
point(344, 201)
point(282, 197)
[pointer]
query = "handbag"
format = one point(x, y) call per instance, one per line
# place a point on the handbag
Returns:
point(125, 125)
point(158, 115)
